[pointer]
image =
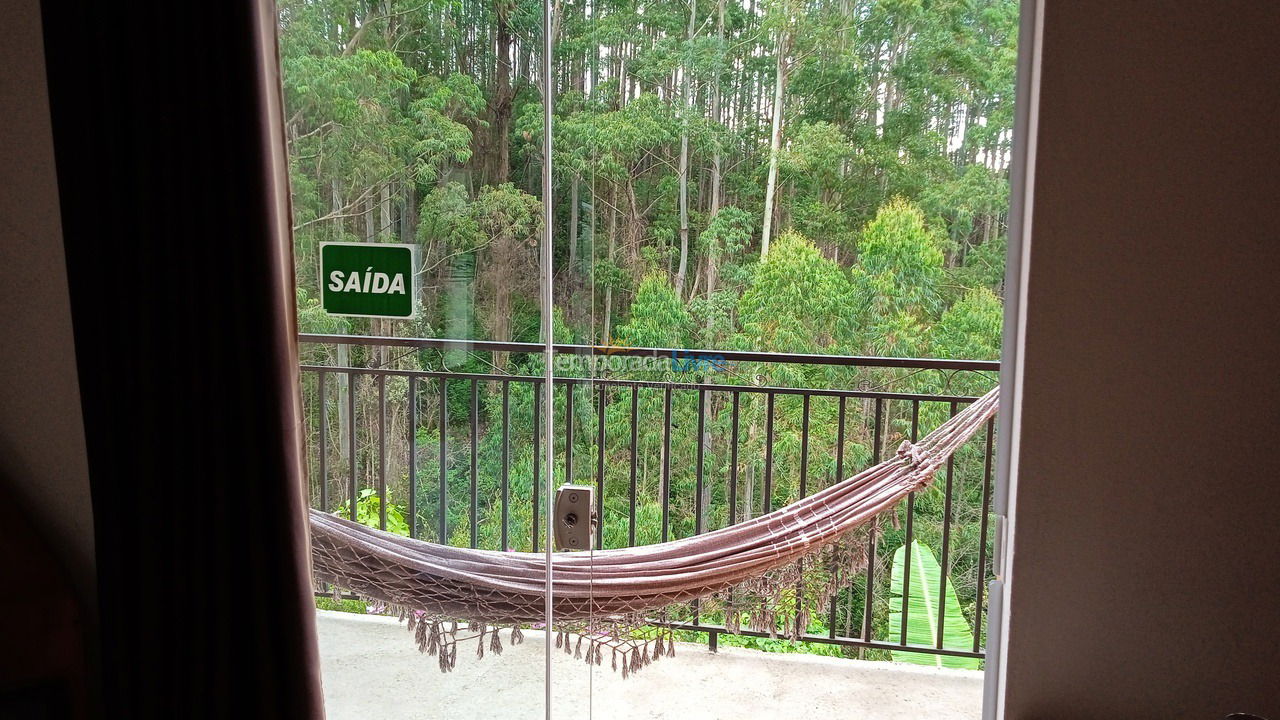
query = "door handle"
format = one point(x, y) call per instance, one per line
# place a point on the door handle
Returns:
point(575, 517)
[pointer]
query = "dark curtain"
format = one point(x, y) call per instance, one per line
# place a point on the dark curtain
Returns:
point(170, 169)
point(43, 629)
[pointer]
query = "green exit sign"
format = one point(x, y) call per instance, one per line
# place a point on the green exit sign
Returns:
point(368, 279)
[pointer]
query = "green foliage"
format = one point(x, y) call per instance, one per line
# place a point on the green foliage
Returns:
point(658, 318)
point(343, 605)
point(446, 219)
point(900, 262)
point(609, 275)
point(926, 591)
point(313, 319)
point(971, 327)
point(961, 203)
point(984, 265)
point(796, 300)
point(369, 512)
point(440, 120)
point(504, 212)
point(815, 153)
point(729, 232)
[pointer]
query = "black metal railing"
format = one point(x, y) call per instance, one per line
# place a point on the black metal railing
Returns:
point(453, 457)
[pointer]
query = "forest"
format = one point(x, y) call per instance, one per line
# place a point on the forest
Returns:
point(805, 176)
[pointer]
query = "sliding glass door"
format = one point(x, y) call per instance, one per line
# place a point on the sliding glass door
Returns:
point(813, 195)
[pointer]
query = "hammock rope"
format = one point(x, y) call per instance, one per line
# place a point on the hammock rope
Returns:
point(811, 547)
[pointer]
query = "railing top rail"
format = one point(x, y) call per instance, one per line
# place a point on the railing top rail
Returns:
point(609, 350)
point(655, 384)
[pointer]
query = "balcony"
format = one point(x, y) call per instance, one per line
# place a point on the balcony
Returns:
point(678, 443)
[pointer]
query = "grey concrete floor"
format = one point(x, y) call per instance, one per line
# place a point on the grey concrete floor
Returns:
point(372, 671)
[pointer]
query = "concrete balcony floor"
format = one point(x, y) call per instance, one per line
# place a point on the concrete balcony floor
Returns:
point(372, 671)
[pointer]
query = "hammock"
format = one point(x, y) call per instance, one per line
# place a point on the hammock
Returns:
point(810, 548)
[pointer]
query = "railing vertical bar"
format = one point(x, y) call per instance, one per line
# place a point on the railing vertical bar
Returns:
point(353, 491)
point(322, 391)
point(635, 430)
point(870, 595)
point(804, 448)
point(600, 466)
point(568, 432)
point(733, 458)
point(804, 492)
point(840, 421)
point(699, 479)
point(877, 432)
point(537, 458)
point(666, 463)
point(767, 501)
point(834, 612)
point(382, 452)
point(946, 544)
point(323, 470)
point(505, 480)
point(442, 507)
point(911, 534)
point(413, 456)
point(475, 440)
point(979, 614)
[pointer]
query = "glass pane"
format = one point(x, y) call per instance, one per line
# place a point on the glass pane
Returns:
point(775, 177)
point(417, 124)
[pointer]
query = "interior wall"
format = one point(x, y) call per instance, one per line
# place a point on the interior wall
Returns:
point(1145, 580)
point(42, 445)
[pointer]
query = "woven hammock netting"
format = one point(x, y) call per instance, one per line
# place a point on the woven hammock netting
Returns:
point(774, 569)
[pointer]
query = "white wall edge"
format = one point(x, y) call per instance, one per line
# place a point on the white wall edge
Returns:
point(1009, 420)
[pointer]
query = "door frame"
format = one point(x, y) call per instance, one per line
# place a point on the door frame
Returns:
point(1012, 356)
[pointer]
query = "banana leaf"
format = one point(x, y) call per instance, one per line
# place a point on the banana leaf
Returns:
point(925, 593)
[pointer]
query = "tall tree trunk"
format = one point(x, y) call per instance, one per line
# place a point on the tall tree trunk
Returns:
point(775, 141)
point(683, 270)
point(408, 213)
point(635, 231)
point(713, 410)
point(384, 211)
point(344, 418)
point(622, 77)
point(335, 202)
point(503, 95)
point(573, 223)
point(747, 507)
point(716, 157)
point(608, 291)
point(501, 321)
point(713, 274)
